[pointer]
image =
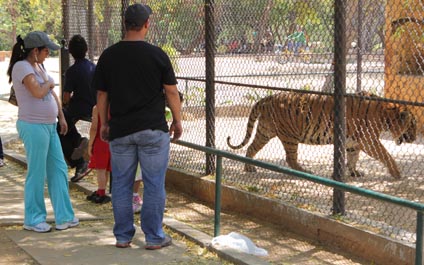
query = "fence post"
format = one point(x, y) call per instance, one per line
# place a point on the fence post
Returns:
point(65, 19)
point(91, 29)
point(339, 102)
point(124, 6)
point(359, 50)
point(64, 65)
point(210, 83)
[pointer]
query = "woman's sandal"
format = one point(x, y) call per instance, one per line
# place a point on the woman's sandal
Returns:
point(123, 245)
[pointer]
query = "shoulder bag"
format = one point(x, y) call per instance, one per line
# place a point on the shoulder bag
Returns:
point(12, 97)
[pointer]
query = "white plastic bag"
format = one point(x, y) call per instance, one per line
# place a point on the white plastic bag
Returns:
point(238, 242)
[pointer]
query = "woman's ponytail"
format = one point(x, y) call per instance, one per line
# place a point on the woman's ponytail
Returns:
point(18, 54)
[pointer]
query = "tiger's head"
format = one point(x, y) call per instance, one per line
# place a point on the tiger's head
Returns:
point(402, 123)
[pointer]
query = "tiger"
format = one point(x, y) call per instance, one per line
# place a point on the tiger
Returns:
point(309, 119)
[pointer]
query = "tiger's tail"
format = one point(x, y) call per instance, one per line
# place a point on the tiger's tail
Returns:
point(253, 116)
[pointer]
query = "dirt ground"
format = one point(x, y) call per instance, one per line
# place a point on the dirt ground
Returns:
point(10, 253)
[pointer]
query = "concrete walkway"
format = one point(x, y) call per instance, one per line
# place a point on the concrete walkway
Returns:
point(92, 242)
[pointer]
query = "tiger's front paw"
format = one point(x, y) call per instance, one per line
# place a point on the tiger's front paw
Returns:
point(395, 173)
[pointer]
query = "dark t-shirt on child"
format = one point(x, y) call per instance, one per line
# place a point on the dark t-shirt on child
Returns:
point(78, 80)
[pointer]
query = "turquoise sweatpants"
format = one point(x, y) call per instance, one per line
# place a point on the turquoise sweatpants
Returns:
point(45, 161)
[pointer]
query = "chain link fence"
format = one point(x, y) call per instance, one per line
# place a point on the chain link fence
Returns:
point(99, 22)
point(228, 55)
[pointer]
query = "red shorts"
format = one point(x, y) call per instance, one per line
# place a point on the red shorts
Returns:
point(100, 158)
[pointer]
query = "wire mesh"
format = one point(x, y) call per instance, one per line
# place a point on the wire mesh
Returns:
point(264, 47)
point(256, 56)
point(99, 22)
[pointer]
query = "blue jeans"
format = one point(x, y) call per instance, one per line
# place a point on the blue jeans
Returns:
point(297, 47)
point(150, 148)
point(45, 161)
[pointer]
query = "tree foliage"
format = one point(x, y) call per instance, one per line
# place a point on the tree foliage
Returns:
point(21, 17)
point(180, 23)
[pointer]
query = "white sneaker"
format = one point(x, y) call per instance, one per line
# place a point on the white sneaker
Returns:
point(67, 225)
point(39, 228)
point(1, 162)
point(137, 203)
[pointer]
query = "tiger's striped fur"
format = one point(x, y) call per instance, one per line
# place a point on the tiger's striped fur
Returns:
point(305, 118)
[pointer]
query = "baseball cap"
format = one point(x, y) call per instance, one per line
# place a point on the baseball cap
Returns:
point(37, 39)
point(137, 14)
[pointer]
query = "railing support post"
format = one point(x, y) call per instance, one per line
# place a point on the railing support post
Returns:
point(217, 222)
point(419, 242)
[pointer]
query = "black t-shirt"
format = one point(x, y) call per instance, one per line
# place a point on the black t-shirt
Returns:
point(133, 74)
point(78, 79)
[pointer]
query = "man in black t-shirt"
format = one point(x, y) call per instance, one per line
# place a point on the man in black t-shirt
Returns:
point(132, 79)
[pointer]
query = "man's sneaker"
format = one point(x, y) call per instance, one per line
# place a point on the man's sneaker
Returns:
point(92, 197)
point(101, 199)
point(81, 171)
point(39, 228)
point(137, 203)
point(123, 244)
point(67, 225)
point(79, 151)
point(167, 241)
point(1, 162)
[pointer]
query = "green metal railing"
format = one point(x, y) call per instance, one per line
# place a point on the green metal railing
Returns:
point(418, 207)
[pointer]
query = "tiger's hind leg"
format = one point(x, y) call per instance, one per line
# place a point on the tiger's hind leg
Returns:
point(261, 139)
point(291, 156)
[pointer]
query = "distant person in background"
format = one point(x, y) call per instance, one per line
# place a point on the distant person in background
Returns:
point(38, 111)
point(1, 154)
point(297, 40)
point(78, 99)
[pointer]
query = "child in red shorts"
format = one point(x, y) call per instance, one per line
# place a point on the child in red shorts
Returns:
point(99, 153)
